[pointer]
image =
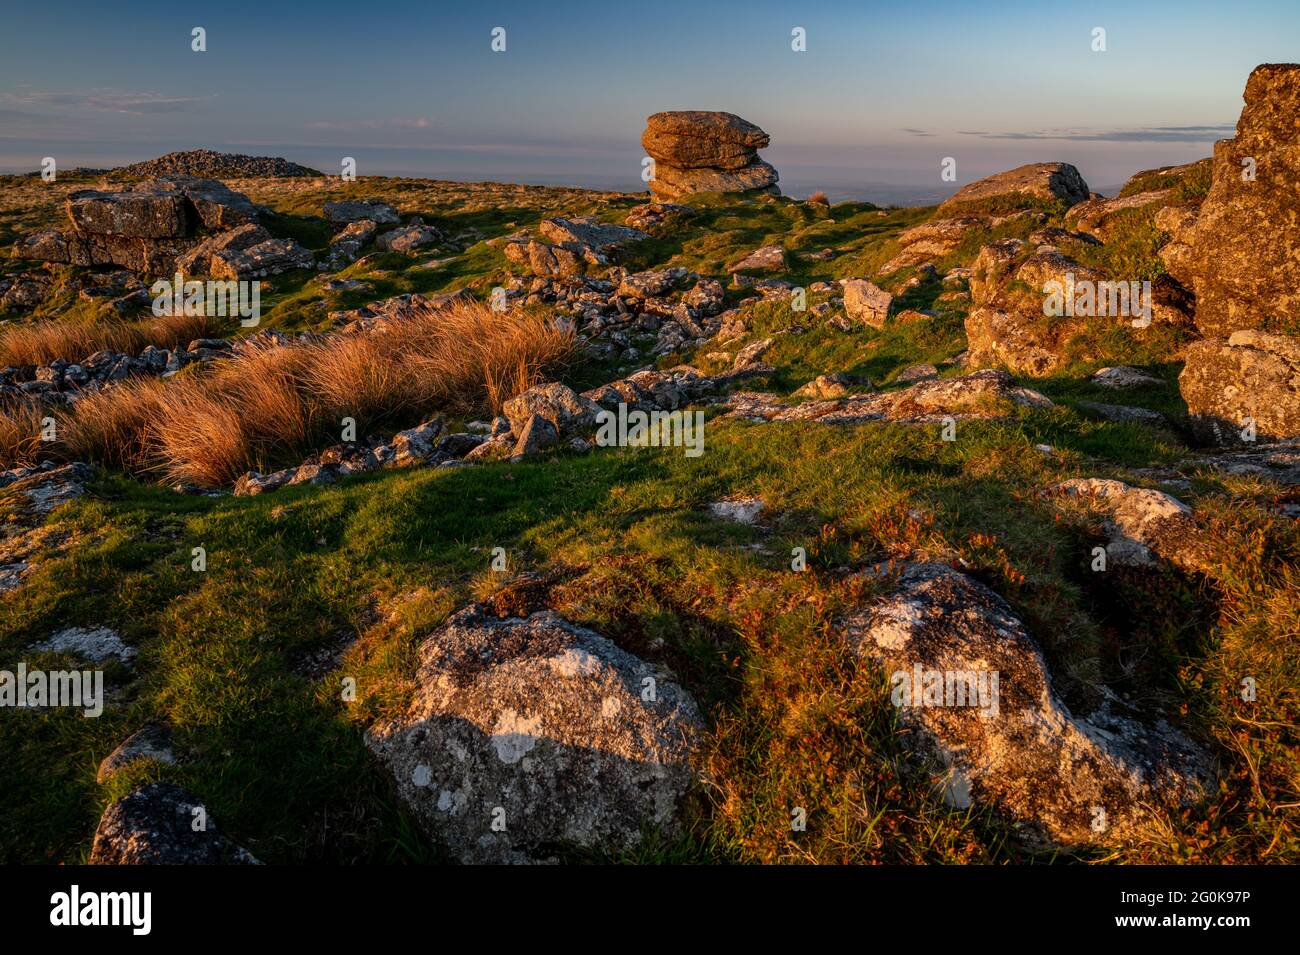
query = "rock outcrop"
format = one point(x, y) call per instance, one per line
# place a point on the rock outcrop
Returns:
point(1096, 217)
point(1042, 180)
point(149, 227)
point(984, 394)
point(529, 735)
point(1241, 254)
point(1026, 309)
point(701, 151)
point(1245, 388)
point(1007, 739)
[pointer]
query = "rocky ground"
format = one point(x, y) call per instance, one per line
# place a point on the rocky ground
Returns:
point(473, 633)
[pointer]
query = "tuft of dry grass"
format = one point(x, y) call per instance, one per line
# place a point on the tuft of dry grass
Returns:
point(818, 198)
point(467, 352)
point(20, 435)
point(40, 343)
point(363, 377)
point(110, 427)
point(275, 404)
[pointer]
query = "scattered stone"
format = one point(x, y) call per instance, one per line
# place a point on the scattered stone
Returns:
point(1052, 235)
point(1125, 414)
point(770, 258)
point(346, 285)
point(750, 354)
point(96, 644)
point(984, 394)
point(1124, 376)
point(536, 435)
point(1142, 524)
point(198, 260)
point(154, 825)
point(1096, 216)
point(835, 385)
point(647, 285)
point(271, 257)
point(412, 447)
point(150, 742)
point(47, 486)
point(346, 246)
point(556, 403)
point(543, 259)
point(866, 303)
point(933, 240)
point(741, 510)
point(408, 238)
point(588, 233)
point(1007, 326)
point(658, 218)
point(915, 373)
point(1278, 462)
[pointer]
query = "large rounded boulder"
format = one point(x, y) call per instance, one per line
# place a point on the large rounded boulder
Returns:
point(530, 735)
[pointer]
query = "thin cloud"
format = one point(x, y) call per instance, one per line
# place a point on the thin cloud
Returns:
point(1146, 134)
point(101, 100)
point(419, 122)
point(916, 132)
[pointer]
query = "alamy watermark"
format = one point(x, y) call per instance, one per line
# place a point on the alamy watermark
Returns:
point(212, 297)
point(37, 689)
point(654, 429)
point(952, 688)
point(1086, 298)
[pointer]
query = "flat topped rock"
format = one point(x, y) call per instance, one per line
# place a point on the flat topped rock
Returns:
point(353, 211)
point(134, 215)
point(588, 232)
point(216, 204)
point(707, 124)
point(1042, 180)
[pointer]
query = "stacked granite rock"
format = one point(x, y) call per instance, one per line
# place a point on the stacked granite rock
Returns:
point(152, 227)
point(701, 151)
point(1238, 252)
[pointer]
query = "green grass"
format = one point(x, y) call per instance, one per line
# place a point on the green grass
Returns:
point(279, 759)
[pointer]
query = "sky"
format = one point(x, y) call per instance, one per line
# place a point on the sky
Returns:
point(882, 94)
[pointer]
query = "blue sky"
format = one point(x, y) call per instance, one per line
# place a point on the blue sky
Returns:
point(882, 94)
